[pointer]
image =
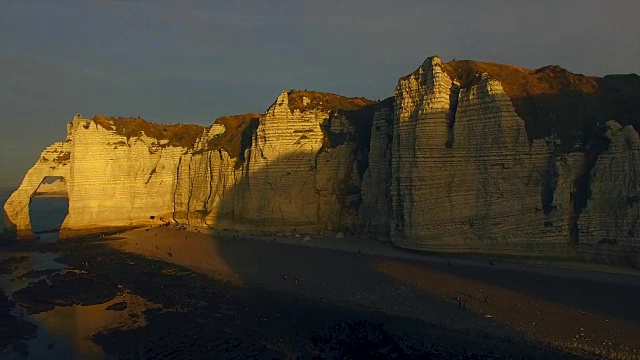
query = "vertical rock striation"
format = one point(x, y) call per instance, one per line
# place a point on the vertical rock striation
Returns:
point(465, 176)
point(292, 174)
point(375, 212)
point(609, 225)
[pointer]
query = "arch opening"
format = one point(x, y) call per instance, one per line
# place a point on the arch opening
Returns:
point(48, 208)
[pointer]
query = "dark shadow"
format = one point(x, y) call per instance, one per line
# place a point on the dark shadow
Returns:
point(282, 315)
point(349, 276)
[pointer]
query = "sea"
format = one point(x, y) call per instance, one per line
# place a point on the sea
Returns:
point(46, 212)
point(62, 332)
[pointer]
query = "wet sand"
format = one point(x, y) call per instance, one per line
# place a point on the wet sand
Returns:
point(227, 296)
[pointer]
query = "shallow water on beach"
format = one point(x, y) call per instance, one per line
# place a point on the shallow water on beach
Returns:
point(52, 340)
point(46, 214)
point(62, 332)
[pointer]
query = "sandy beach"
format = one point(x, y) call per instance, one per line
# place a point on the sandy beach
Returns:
point(193, 293)
point(571, 309)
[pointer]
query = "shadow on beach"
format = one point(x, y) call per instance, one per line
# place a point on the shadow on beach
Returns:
point(203, 293)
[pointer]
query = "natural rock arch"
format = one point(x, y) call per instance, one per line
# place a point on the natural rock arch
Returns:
point(53, 162)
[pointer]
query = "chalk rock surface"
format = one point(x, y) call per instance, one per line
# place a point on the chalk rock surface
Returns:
point(465, 157)
point(285, 176)
point(116, 174)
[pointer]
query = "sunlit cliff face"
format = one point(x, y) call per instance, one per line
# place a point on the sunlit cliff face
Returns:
point(467, 157)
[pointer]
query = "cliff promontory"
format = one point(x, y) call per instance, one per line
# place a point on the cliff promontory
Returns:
point(492, 158)
point(465, 157)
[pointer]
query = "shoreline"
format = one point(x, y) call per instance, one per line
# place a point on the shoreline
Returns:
point(282, 279)
point(559, 302)
point(347, 243)
point(372, 246)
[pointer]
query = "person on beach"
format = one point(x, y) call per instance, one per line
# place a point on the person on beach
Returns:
point(461, 302)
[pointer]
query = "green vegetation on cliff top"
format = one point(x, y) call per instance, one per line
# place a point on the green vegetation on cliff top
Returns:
point(182, 135)
point(237, 134)
point(551, 101)
point(324, 101)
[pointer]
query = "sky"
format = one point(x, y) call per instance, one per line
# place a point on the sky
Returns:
point(193, 61)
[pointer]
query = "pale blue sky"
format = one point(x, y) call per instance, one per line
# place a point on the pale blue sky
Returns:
point(192, 61)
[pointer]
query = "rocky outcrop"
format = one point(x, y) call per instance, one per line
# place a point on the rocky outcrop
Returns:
point(470, 174)
point(279, 186)
point(609, 225)
point(116, 174)
point(465, 176)
point(290, 176)
point(54, 161)
point(466, 157)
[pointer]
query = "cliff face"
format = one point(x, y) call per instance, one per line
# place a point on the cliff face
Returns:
point(466, 157)
point(610, 222)
point(375, 212)
point(291, 175)
point(466, 176)
point(114, 177)
point(469, 177)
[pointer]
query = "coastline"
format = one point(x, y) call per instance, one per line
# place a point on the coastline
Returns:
point(511, 309)
point(559, 301)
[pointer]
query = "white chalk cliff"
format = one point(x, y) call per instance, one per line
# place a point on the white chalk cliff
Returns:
point(288, 180)
point(112, 180)
point(468, 178)
point(466, 157)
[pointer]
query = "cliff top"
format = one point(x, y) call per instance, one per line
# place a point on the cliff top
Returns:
point(324, 101)
point(517, 81)
point(554, 100)
point(181, 135)
point(237, 134)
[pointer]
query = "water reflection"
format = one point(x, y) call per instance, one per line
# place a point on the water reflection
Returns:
point(65, 332)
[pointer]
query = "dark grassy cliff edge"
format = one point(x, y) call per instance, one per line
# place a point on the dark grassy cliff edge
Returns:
point(553, 101)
